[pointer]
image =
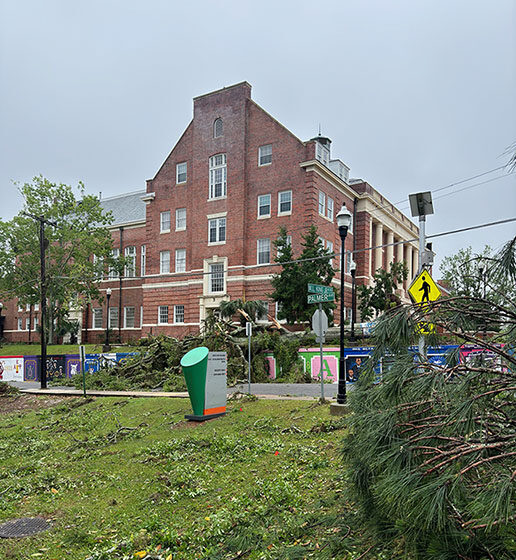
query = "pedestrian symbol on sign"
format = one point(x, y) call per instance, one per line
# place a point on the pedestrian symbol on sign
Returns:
point(423, 288)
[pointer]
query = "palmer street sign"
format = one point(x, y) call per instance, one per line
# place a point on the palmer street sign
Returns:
point(321, 298)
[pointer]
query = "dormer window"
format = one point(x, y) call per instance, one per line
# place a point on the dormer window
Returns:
point(218, 128)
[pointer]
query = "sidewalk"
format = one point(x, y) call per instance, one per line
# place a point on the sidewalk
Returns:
point(262, 390)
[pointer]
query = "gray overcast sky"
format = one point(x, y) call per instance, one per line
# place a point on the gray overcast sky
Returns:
point(414, 94)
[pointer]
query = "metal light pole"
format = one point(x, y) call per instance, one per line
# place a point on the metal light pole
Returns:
point(343, 221)
point(106, 347)
point(353, 270)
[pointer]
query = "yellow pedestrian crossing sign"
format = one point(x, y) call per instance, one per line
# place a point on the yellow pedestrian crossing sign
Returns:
point(423, 288)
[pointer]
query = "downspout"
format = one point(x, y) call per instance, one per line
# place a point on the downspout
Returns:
point(120, 292)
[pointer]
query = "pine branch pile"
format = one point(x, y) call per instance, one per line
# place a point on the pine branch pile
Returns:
point(433, 448)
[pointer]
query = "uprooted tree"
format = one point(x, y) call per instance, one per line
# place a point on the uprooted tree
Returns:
point(432, 448)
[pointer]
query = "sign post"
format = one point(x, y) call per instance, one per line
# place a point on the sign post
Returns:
point(249, 332)
point(82, 358)
point(319, 294)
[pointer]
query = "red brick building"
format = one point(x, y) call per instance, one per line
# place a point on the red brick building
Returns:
point(203, 230)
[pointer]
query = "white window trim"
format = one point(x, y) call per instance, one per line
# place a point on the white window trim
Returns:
point(161, 228)
point(264, 216)
point(258, 250)
point(143, 259)
point(94, 316)
point(178, 182)
point(161, 271)
point(180, 228)
point(176, 322)
point(217, 229)
point(207, 276)
point(288, 212)
point(260, 155)
point(323, 196)
point(159, 315)
point(328, 198)
point(176, 260)
point(213, 167)
point(125, 316)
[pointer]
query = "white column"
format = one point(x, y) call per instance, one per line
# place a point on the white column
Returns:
point(410, 258)
point(378, 252)
point(390, 250)
point(399, 252)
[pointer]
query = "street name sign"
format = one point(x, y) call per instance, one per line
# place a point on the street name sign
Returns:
point(319, 289)
point(321, 298)
point(424, 289)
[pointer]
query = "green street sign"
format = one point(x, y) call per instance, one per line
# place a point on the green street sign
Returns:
point(319, 289)
point(321, 298)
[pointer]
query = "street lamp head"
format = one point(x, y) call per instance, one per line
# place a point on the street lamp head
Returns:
point(344, 217)
point(108, 292)
point(352, 267)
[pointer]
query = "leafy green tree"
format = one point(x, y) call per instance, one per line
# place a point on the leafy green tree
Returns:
point(432, 448)
point(291, 284)
point(381, 296)
point(71, 273)
point(252, 308)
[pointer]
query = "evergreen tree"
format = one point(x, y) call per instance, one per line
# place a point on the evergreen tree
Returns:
point(432, 448)
point(291, 284)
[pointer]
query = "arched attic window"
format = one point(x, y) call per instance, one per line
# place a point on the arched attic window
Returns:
point(218, 129)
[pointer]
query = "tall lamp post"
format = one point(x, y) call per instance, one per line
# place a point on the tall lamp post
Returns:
point(353, 270)
point(343, 221)
point(106, 347)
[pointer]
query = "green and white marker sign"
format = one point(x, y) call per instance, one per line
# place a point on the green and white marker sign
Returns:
point(206, 378)
point(318, 293)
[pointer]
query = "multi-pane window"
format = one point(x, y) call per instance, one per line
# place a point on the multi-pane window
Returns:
point(36, 323)
point(329, 209)
point(264, 251)
point(162, 314)
point(322, 154)
point(130, 267)
point(128, 317)
point(264, 206)
point(143, 260)
point(20, 324)
point(164, 222)
point(218, 175)
point(113, 317)
point(216, 277)
point(115, 253)
point(164, 262)
point(97, 318)
point(217, 230)
point(20, 307)
point(265, 155)
point(27, 324)
point(180, 260)
point(36, 307)
point(181, 172)
point(285, 202)
point(218, 128)
point(322, 203)
point(27, 307)
point(179, 313)
point(180, 219)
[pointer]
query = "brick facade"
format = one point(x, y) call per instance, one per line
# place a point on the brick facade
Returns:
point(296, 172)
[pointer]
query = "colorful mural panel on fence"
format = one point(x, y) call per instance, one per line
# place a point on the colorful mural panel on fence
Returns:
point(11, 368)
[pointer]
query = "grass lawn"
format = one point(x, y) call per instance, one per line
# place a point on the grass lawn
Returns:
point(35, 349)
point(129, 478)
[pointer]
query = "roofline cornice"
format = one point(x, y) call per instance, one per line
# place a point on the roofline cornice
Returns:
point(329, 175)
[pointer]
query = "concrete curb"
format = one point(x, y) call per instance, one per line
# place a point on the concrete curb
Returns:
point(148, 394)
